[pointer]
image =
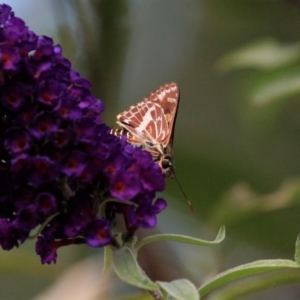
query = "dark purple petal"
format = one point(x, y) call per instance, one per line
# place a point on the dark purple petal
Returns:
point(27, 219)
point(43, 170)
point(44, 124)
point(17, 141)
point(116, 165)
point(68, 109)
point(141, 217)
point(23, 196)
point(49, 92)
point(40, 69)
point(14, 30)
point(145, 214)
point(4, 13)
point(89, 172)
point(63, 137)
point(46, 249)
point(124, 186)
point(44, 47)
point(12, 96)
point(159, 205)
point(8, 239)
point(97, 233)
point(75, 163)
point(20, 163)
point(149, 172)
point(9, 57)
point(79, 81)
point(46, 204)
point(85, 129)
point(27, 113)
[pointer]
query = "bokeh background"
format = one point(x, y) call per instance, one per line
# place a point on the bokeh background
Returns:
point(237, 137)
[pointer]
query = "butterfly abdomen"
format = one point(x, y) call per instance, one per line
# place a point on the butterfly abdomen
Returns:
point(119, 132)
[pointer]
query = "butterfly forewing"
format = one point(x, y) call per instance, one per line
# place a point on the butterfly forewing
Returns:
point(150, 124)
point(167, 97)
point(152, 119)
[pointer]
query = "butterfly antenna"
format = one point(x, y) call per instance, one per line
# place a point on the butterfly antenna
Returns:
point(185, 196)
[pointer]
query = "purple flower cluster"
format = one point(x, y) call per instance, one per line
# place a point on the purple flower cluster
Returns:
point(60, 168)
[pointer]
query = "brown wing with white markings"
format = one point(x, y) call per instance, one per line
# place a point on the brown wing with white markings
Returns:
point(152, 120)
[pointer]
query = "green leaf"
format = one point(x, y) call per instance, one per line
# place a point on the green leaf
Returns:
point(127, 268)
point(242, 271)
point(279, 88)
point(108, 260)
point(182, 239)
point(297, 250)
point(242, 203)
point(256, 284)
point(265, 54)
point(180, 289)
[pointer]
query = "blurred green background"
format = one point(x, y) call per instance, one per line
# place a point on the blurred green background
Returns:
point(237, 137)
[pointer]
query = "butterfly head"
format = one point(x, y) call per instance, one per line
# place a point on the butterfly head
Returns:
point(167, 166)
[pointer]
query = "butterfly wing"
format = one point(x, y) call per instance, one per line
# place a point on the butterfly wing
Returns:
point(167, 97)
point(153, 119)
point(145, 121)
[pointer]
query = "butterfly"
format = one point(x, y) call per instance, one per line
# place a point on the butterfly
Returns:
point(150, 125)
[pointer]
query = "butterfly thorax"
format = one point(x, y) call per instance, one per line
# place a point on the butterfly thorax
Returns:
point(167, 163)
point(163, 156)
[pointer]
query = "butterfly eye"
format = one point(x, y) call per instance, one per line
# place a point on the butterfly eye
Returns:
point(165, 164)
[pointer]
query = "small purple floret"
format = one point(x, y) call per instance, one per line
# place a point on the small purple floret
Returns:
point(98, 233)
